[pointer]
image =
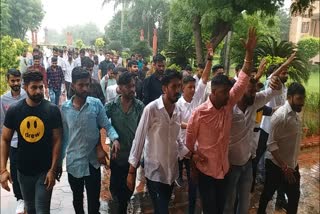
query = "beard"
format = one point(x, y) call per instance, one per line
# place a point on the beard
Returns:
point(36, 98)
point(174, 99)
point(15, 88)
point(249, 100)
point(82, 95)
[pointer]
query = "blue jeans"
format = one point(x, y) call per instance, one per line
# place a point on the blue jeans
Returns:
point(36, 197)
point(238, 181)
point(54, 95)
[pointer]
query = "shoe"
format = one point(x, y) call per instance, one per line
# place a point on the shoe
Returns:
point(179, 182)
point(281, 204)
point(20, 207)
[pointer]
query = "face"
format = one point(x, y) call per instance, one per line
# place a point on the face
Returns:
point(189, 89)
point(199, 71)
point(172, 90)
point(221, 94)
point(81, 88)
point(14, 83)
point(128, 91)
point(159, 66)
point(250, 94)
point(220, 71)
point(296, 102)
point(96, 61)
point(70, 55)
point(55, 53)
point(54, 64)
point(115, 59)
point(35, 91)
point(36, 62)
point(134, 69)
point(107, 56)
point(284, 76)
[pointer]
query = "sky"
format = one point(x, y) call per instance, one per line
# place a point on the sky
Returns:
point(62, 13)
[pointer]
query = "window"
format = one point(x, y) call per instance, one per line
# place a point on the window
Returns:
point(305, 27)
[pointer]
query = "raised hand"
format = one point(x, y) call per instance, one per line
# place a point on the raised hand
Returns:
point(261, 69)
point(290, 59)
point(251, 42)
point(210, 51)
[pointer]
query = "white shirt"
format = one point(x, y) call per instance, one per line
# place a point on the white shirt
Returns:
point(187, 108)
point(101, 58)
point(276, 101)
point(157, 134)
point(242, 145)
point(285, 135)
point(68, 73)
point(197, 79)
point(77, 62)
point(111, 93)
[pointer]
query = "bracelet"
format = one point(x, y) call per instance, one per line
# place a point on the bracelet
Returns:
point(3, 171)
point(248, 61)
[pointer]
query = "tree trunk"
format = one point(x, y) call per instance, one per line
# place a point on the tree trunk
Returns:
point(219, 32)
point(196, 27)
point(122, 16)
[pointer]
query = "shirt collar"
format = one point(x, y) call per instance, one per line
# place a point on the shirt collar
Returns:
point(289, 108)
point(159, 102)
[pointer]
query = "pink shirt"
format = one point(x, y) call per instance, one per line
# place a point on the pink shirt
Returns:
point(210, 129)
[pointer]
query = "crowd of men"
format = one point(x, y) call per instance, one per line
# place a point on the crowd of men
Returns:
point(159, 121)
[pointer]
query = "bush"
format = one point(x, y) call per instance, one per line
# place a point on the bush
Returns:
point(115, 45)
point(311, 119)
point(175, 66)
point(143, 48)
point(308, 47)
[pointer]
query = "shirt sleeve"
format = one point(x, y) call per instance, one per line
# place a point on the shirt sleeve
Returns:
point(200, 92)
point(238, 88)
point(145, 91)
point(192, 131)
point(9, 120)
point(140, 137)
point(103, 122)
point(65, 138)
point(275, 133)
point(267, 111)
point(265, 96)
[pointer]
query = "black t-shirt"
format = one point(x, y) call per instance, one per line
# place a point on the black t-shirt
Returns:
point(103, 67)
point(34, 126)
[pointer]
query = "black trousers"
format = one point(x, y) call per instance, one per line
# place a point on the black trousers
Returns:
point(275, 179)
point(160, 194)
point(93, 186)
point(212, 194)
point(118, 187)
point(13, 170)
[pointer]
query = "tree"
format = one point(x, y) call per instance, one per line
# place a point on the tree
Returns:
point(80, 44)
point(99, 43)
point(115, 45)
point(308, 47)
point(54, 37)
point(87, 32)
point(143, 48)
point(21, 16)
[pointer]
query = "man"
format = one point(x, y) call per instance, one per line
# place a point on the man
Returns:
point(133, 68)
point(187, 71)
point(157, 134)
point(103, 66)
point(115, 61)
point(152, 87)
point(113, 91)
point(78, 60)
point(242, 148)
point(10, 98)
point(109, 79)
point(65, 53)
point(143, 72)
point(95, 68)
point(55, 79)
point(37, 67)
point(83, 117)
point(191, 98)
point(125, 113)
point(61, 61)
point(24, 62)
point(198, 75)
point(67, 76)
point(210, 125)
point(217, 70)
point(101, 56)
point(38, 125)
point(282, 167)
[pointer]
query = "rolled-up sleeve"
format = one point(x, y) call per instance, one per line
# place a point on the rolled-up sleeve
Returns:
point(239, 88)
point(140, 137)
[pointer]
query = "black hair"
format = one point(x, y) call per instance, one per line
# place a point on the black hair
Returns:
point(54, 59)
point(296, 88)
point(125, 78)
point(238, 67)
point(158, 58)
point(60, 51)
point(95, 90)
point(14, 72)
point(188, 68)
point(79, 73)
point(272, 68)
point(132, 62)
point(169, 75)
point(221, 80)
point(82, 50)
point(95, 57)
point(31, 76)
point(36, 57)
point(55, 49)
point(110, 66)
point(87, 62)
point(216, 67)
point(120, 69)
point(187, 79)
point(201, 65)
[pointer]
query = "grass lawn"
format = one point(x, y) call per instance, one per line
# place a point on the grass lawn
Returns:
point(313, 83)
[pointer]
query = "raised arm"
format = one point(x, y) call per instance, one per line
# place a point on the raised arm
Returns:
point(285, 64)
point(261, 69)
point(207, 68)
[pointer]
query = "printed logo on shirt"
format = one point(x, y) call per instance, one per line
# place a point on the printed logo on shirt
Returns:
point(32, 129)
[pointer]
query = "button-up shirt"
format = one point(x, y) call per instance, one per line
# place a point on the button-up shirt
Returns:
point(111, 93)
point(55, 77)
point(69, 67)
point(285, 136)
point(157, 134)
point(152, 88)
point(274, 102)
point(125, 123)
point(242, 145)
point(210, 128)
point(6, 100)
point(187, 108)
point(81, 135)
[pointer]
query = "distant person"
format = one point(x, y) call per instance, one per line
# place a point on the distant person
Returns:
point(133, 68)
point(198, 75)
point(103, 66)
point(95, 68)
point(55, 79)
point(24, 62)
point(70, 64)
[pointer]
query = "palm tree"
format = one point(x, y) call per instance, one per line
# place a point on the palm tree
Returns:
point(268, 46)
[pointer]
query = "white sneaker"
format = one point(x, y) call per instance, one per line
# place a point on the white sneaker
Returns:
point(20, 207)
